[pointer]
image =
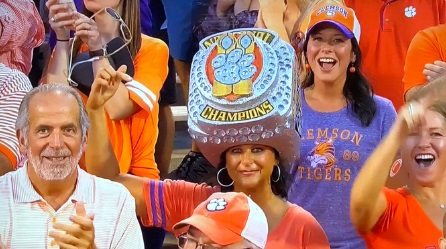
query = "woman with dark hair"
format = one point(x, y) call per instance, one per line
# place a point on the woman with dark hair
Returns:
point(240, 123)
point(342, 122)
point(279, 176)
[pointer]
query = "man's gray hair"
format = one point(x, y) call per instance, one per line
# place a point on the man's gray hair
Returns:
point(22, 122)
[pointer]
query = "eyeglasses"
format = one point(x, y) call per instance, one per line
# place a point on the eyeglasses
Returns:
point(126, 35)
point(183, 240)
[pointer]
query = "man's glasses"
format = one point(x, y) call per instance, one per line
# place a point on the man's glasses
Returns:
point(183, 240)
point(126, 35)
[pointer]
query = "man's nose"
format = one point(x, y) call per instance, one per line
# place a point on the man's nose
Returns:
point(55, 140)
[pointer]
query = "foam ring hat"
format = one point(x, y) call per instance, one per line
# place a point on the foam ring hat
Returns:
point(244, 90)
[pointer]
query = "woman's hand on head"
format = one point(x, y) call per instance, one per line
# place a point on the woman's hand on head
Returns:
point(87, 30)
point(411, 117)
point(61, 18)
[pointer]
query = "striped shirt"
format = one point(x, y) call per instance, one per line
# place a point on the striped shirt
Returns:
point(21, 31)
point(26, 219)
point(13, 87)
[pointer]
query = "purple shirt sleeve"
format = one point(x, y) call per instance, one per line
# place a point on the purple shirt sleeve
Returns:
point(146, 17)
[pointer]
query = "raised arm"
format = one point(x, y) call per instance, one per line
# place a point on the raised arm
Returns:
point(100, 159)
point(368, 203)
point(61, 21)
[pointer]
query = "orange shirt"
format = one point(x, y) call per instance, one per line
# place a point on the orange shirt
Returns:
point(134, 138)
point(426, 47)
point(169, 202)
point(403, 225)
point(387, 27)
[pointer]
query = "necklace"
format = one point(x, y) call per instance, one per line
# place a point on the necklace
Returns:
point(442, 206)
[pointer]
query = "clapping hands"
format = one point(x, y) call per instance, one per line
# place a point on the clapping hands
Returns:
point(79, 234)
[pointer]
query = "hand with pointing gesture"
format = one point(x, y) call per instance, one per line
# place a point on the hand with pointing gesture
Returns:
point(105, 86)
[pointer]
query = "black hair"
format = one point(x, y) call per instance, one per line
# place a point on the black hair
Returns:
point(357, 89)
point(279, 188)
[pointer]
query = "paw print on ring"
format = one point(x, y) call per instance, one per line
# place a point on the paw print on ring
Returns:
point(216, 205)
point(410, 11)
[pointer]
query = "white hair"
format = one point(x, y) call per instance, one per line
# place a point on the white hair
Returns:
point(22, 122)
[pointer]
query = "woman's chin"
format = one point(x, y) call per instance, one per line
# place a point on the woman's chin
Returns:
point(249, 183)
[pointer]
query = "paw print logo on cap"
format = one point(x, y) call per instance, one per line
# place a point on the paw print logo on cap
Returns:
point(216, 205)
point(410, 11)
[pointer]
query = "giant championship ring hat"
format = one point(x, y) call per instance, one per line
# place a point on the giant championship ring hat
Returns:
point(244, 90)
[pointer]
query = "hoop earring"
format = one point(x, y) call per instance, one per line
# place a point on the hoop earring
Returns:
point(218, 179)
point(278, 174)
point(352, 68)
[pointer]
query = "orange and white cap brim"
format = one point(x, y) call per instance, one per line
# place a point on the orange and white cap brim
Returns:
point(218, 233)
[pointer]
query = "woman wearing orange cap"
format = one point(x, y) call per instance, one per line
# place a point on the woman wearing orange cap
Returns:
point(343, 121)
point(244, 122)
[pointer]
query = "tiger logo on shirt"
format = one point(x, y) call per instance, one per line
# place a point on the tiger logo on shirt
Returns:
point(323, 154)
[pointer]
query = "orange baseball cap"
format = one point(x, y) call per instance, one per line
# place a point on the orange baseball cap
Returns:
point(334, 12)
point(228, 218)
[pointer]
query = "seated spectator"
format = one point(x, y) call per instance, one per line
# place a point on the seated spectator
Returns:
point(230, 220)
point(16, 48)
point(389, 218)
point(100, 39)
point(15, 63)
point(426, 59)
point(252, 157)
point(13, 86)
point(51, 201)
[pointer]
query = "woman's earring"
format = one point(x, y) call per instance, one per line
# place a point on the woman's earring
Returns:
point(278, 174)
point(352, 68)
point(307, 66)
point(218, 179)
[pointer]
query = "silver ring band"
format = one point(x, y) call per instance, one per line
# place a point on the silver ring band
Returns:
point(53, 19)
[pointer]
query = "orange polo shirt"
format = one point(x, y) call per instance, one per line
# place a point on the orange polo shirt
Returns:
point(134, 138)
point(427, 46)
point(387, 28)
